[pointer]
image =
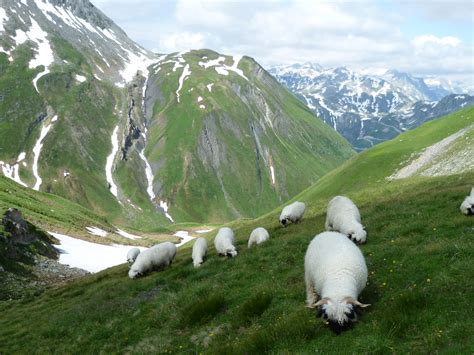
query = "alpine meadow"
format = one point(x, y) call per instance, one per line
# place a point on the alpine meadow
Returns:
point(181, 199)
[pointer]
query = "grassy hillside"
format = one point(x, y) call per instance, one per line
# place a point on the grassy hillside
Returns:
point(419, 254)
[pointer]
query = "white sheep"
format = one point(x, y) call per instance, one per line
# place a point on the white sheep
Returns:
point(258, 236)
point(335, 272)
point(292, 213)
point(132, 255)
point(467, 206)
point(199, 251)
point(157, 257)
point(343, 216)
point(224, 242)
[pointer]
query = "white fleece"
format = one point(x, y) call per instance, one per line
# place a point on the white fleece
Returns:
point(199, 251)
point(224, 242)
point(157, 257)
point(467, 206)
point(343, 216)
point(292, 213)
point(258, 236)
point(334, 269)
point(132, 255)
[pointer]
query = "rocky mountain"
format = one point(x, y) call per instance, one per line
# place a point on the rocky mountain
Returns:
point(87, 114)
point(368, 109)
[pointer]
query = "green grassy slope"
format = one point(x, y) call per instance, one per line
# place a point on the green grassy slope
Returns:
point(213, 162)
point(419, 254)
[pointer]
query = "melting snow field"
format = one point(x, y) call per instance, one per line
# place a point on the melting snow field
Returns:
point(128, 235)
point(96, 231)
point(185, 237)
point(110, 162)
point(90, 256)
point(186, 72)
point(37, 151)
point(13, 171)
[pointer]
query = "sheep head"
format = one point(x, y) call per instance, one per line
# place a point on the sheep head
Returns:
point(339, 314)
point(284, 222)
point(358, 235)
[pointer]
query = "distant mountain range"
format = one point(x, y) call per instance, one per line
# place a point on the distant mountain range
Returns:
point(367, 108)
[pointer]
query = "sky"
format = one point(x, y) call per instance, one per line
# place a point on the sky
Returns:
point(422, 37)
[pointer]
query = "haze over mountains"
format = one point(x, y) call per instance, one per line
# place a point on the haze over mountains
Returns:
point(369, 108)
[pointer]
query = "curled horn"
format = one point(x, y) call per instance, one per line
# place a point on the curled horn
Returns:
point(350, 300)
point(322, 301)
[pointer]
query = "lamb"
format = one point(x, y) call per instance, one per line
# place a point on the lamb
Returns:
point(343, 216)
point(292, 213)
point(132, 255)
point(467, 207)
point(199, 251)
point(335, 270)
point(224, 242)
point(157, 257)
point(258, 236)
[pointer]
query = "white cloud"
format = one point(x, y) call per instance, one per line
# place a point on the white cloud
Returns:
point(423, 40)
point(180, 41)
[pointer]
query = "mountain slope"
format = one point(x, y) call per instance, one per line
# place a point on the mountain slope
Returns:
point(229, 141)
point(419, 255)
point(85, 114)
point(368, 109)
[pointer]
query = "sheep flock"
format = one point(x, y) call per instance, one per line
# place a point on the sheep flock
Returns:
point(335, 271)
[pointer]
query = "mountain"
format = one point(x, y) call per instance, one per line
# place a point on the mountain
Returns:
point(87, 114)
point(419, 256)
point(367, 108)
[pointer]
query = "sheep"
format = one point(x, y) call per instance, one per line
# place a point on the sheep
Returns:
point(199, 251)
point(132, 255)
point(335, 271)
point(224, 242)
point(292, 213)
point(467, 206)
point(258, 236)
point(343, 216)
point(157, 257)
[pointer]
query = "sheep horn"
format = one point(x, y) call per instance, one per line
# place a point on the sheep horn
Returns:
point(322, 301)
point(356, 302)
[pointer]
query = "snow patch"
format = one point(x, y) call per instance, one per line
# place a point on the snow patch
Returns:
point(149, 175)
point(37, 151)
point(80, 78)
point(164, 206)
point(200, 99)
point(13, 171)
point(209, 87)
point(202, 107)
point(89, 256)
point(185, 238)
point(186, 72)
point(202, 231)
point(96, 231)
point(272, 174)
point(110, 162)
point(3, 19)
point(223, 69)
point(128, 235)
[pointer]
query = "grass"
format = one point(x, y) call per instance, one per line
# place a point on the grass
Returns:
point(419, 255)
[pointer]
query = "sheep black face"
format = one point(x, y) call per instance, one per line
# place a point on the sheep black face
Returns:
point(284, 222)
point(339, 315)
point(470, 211)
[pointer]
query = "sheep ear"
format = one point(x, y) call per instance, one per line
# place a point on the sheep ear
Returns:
point(350, 300)
point(321, 302)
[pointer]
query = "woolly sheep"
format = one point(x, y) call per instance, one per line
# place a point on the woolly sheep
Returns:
point(224, 242)
point(157, 257)
point(199, 251)
point(343, 216)
point(467, 207)
point(258, 236)
point(132, 255)
point(292, 213)
point(335, 272)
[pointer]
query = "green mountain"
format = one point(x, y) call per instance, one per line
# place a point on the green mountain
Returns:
point(87, 114)
point(419, 255)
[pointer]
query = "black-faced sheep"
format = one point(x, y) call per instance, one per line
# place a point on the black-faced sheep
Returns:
point(343, 216)
point(292, 213)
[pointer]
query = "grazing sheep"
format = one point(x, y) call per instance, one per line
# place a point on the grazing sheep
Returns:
point(292, 213)
point(224, 242)
point(199, 251)
point(132, 255)
point(258, 236)
point(343, 216)
point(335, 271)
point(467, 207)
point(157, 257)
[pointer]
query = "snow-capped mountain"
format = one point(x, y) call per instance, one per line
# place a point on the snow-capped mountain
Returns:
point(88, 114)
point(368, 109)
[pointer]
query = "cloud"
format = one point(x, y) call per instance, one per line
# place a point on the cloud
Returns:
point(178, 41)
